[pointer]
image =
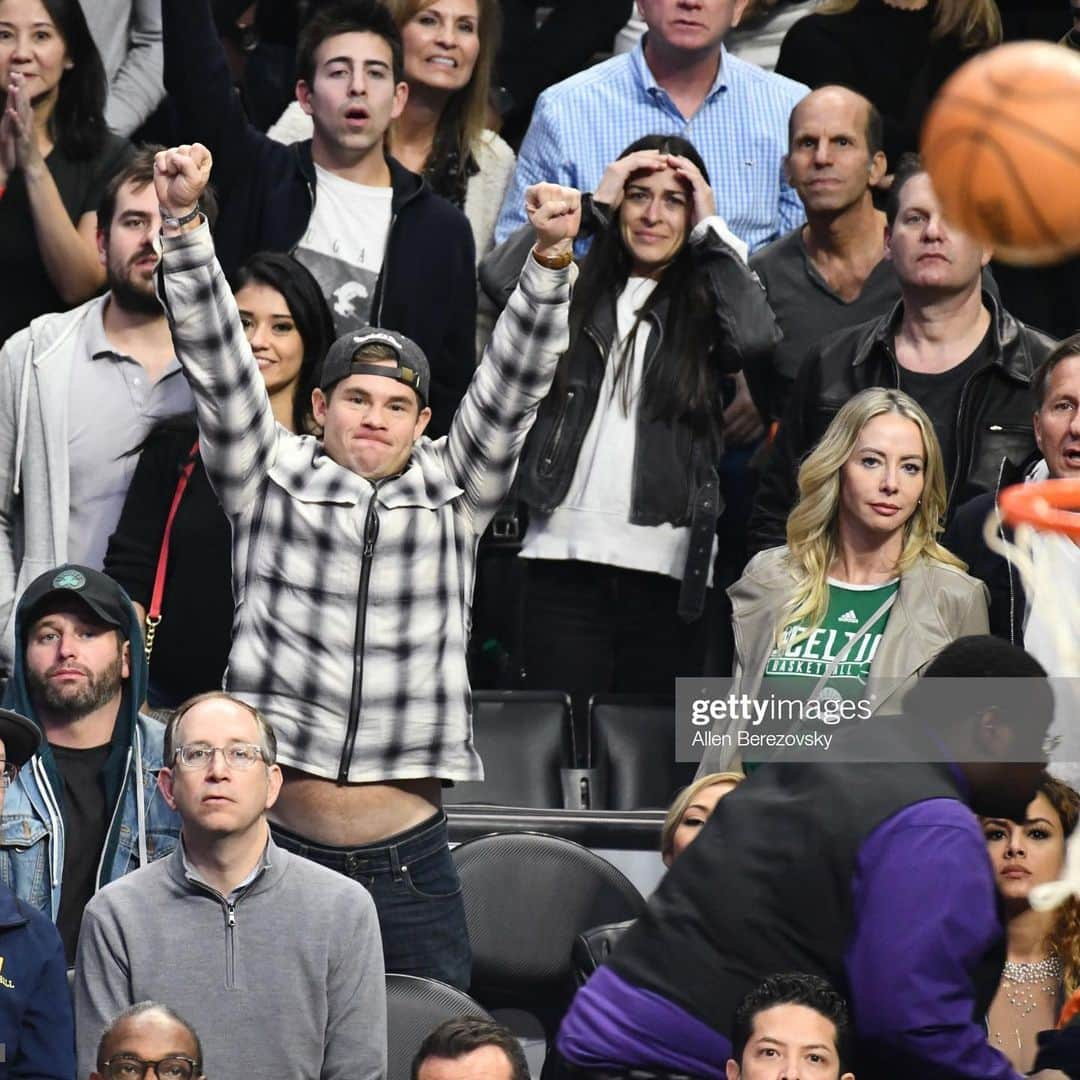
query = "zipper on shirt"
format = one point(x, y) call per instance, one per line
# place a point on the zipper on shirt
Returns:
point(380, 289)
point(548, 459)
point(371, 534)
point(230, 944)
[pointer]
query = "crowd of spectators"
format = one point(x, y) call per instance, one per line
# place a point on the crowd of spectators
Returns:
point(306, 308)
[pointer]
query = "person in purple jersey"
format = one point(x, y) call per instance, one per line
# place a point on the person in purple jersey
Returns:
point(866, 873)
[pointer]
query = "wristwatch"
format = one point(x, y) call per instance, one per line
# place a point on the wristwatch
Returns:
point(554, 262)
point(179, 222)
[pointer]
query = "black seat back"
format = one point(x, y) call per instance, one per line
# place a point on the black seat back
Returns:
point(524, 739)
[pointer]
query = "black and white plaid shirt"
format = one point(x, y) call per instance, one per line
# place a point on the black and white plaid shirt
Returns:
point(298, 523)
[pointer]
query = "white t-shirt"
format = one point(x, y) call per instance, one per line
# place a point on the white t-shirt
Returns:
point(592, 524)
point(344, 245)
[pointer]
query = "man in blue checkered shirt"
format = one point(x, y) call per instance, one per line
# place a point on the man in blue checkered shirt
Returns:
point(680, 80)
point(353, 559)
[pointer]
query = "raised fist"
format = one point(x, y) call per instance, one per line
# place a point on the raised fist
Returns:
point(555, 214)
point(180, 177)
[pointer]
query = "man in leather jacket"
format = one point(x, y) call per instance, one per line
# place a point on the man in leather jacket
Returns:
point(947, 343)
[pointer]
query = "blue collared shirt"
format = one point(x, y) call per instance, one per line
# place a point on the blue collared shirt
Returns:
point(581, 125)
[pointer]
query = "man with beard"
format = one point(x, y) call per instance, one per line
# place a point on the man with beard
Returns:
point(85, 809)
point(79, 392)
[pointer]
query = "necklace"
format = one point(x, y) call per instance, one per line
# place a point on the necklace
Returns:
point(1025, 985)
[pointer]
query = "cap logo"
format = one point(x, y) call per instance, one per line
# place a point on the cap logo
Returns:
point(69, 579)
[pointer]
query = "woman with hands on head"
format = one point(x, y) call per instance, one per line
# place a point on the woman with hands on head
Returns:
point(56, 156)
point(620, 471)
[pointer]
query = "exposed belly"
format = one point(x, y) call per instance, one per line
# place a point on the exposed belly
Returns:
point(343, 815)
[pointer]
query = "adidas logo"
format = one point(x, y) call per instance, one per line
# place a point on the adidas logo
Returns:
point(848, 617)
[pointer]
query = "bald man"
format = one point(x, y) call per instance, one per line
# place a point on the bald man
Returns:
point(831, 272)
point(146, 1034)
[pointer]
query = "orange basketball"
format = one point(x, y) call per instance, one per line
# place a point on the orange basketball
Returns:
point(1001, 143)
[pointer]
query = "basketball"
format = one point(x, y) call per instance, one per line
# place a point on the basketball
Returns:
point(1001, 143)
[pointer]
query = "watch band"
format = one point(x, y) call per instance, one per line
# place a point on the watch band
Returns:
point(554, 262)
point(179, 222)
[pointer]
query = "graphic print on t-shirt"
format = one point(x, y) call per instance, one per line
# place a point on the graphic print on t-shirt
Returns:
point(344, 245)
point(348, 288)
point(794, 667)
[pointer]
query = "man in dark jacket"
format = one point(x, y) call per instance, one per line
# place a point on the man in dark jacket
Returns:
point(1056, 394)
point(947, 343)
point(385, 249)
point(37, 1028)
point(856, 869)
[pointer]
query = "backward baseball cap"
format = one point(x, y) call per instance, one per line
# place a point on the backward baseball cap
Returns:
point(412, 367)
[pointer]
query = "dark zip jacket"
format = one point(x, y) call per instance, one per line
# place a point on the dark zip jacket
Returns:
point(427, 285)
point(37, 1028)
point(993, 418)
point(964, 538)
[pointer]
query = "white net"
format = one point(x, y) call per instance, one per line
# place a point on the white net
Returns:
point(1047, 562)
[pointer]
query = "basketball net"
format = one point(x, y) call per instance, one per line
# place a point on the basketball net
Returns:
point(1046, 525)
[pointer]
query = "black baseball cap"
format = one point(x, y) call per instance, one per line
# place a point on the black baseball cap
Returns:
point(105, 598)
point(21, 737)
point(412, 367)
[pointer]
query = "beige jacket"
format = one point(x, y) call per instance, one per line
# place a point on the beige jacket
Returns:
point(936, 604)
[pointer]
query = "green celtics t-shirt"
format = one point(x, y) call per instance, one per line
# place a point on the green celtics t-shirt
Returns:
point(793, 670)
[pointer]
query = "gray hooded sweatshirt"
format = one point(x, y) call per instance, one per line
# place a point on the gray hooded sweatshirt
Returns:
point(283, 980)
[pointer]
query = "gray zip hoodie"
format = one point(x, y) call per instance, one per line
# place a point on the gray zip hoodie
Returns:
point(283, 980)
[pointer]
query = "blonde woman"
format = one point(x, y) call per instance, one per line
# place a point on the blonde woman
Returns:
point(895, 52)
point(693, 806)
point(863, 596)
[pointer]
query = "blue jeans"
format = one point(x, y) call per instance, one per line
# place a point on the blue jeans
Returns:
point(417, 893)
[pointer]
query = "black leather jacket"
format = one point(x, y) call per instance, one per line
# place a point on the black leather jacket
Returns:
point(675, 476)
point(993, 418)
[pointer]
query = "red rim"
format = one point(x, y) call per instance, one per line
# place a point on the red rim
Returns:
point(1048, 504)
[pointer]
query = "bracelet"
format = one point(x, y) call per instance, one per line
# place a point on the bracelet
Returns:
point(554, 262)
point(179, 222)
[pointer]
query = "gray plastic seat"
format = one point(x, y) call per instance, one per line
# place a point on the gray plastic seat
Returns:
point(414, 1008)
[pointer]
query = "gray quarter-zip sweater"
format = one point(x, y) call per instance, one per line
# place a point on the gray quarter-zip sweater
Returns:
point(282, 980)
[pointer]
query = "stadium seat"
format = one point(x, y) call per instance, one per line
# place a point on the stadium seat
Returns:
point(527, 897)
point(524, 739)
point(414, 1008)
point(632, 750)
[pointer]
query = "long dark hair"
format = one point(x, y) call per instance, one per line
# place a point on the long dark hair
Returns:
point(686, 388)
point(77, 124)
point(463, 120)
point(309, 311)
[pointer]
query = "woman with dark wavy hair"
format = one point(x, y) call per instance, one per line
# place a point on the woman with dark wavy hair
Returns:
point(289, 329)
point(1042, 959)
point(56, 156)
point(620, 470)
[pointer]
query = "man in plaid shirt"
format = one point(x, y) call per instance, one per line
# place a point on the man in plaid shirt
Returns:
point(353, 561)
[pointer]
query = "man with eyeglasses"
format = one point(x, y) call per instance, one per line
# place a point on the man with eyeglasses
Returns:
point(276, 960)
point(37, 1030)
point(86, 809)
point(149, 1036)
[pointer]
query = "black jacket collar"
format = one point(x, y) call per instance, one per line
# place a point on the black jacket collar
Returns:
point(1010, 352)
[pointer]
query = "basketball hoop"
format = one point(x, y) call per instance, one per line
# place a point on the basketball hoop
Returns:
point(1045, 517)
point(1050, 505)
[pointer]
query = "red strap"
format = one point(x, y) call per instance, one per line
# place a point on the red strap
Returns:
point(163, 555)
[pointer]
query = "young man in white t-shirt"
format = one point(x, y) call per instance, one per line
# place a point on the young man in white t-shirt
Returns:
point(386, 250)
